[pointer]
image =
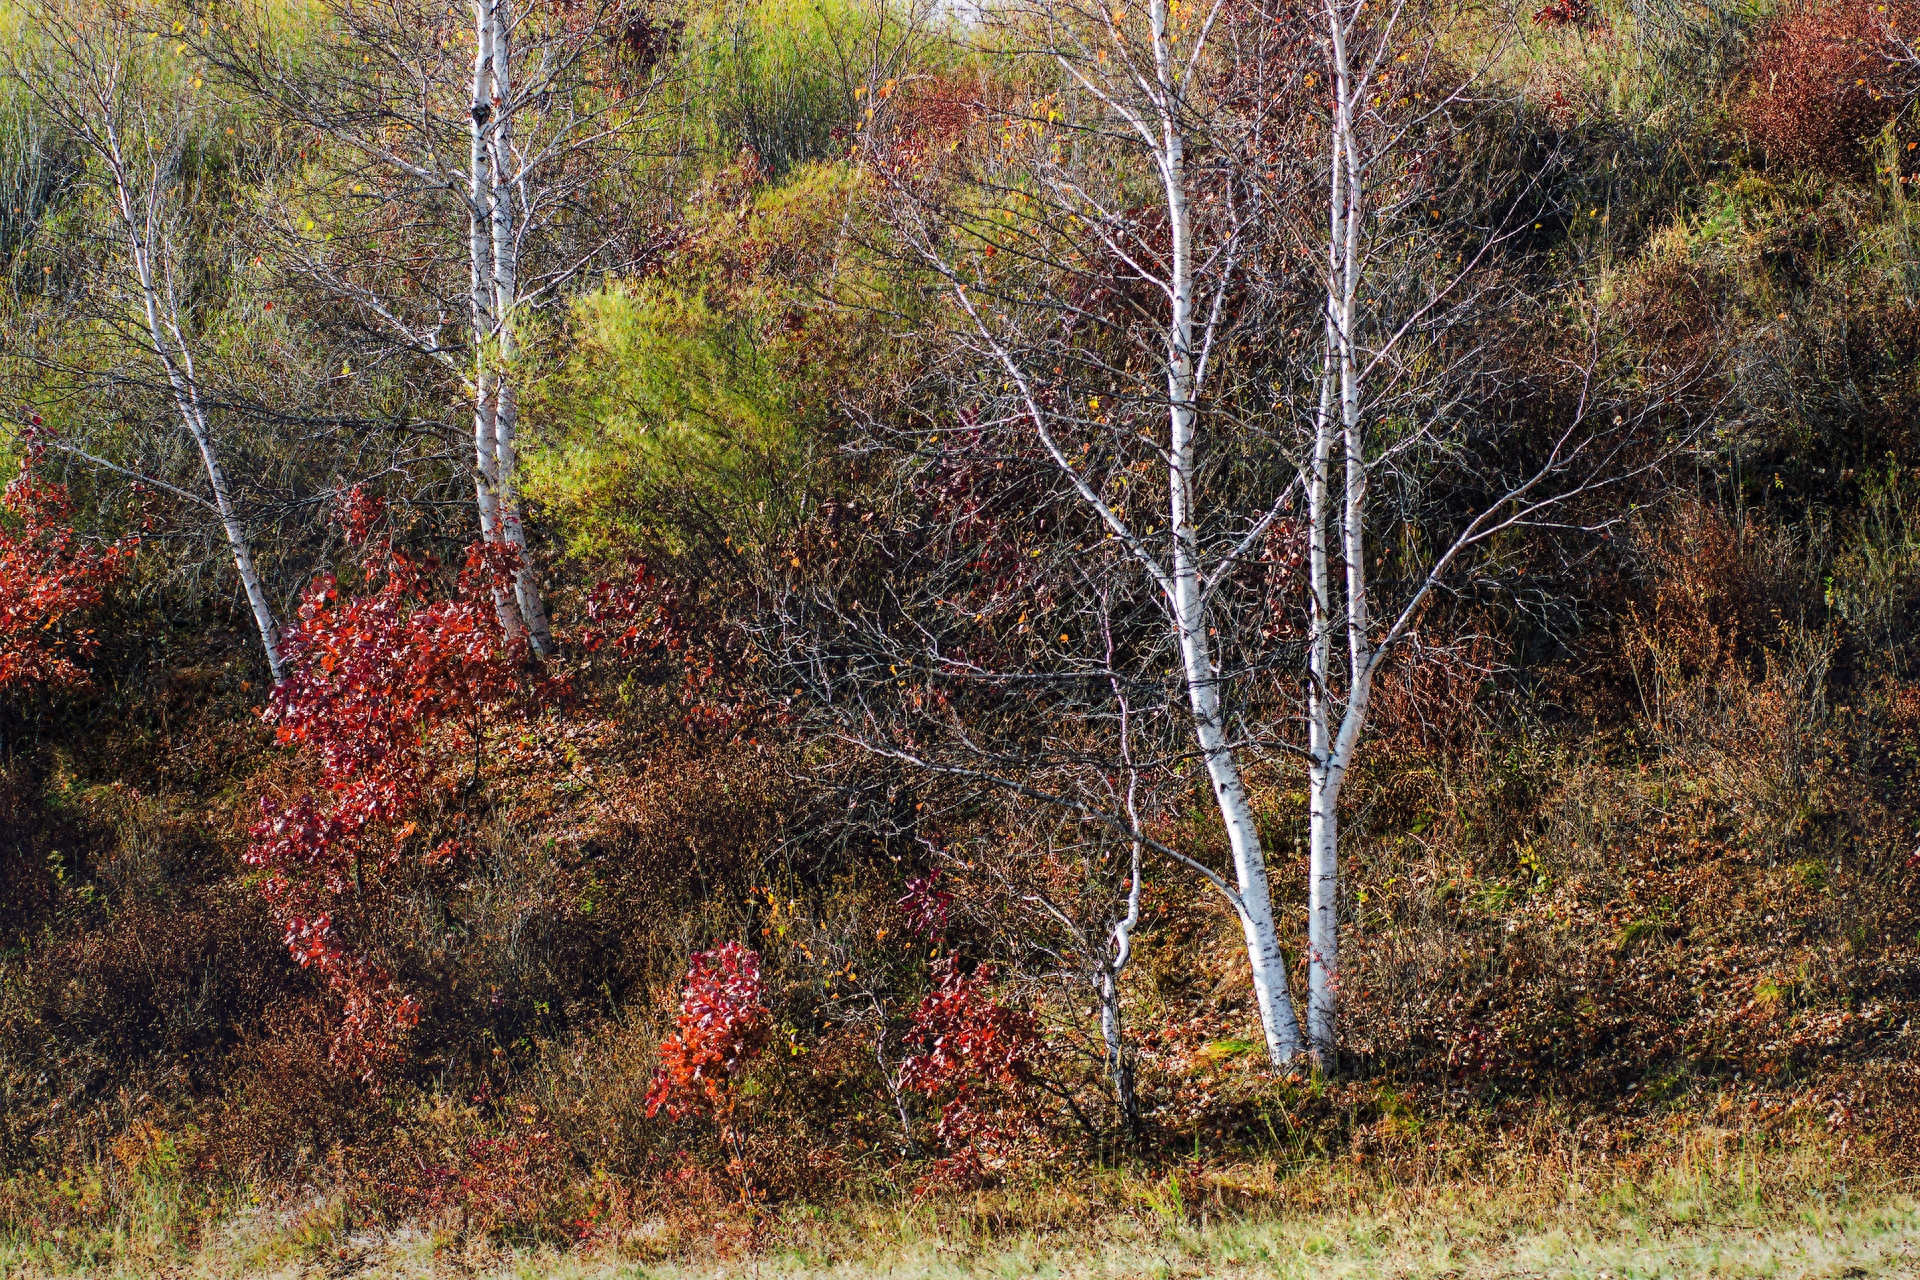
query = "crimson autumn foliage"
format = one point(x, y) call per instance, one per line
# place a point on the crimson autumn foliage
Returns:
point(661, 625)
point(965, 1043)
point(48, 577)
point(393, 692)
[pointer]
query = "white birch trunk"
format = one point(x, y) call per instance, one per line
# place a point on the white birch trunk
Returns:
point(1331, 748)
point(506, 270)
point(1322, 794)
point(1267, 960)
point(485, 319)
point(176, 359)
point(237, 542)
point(1112, 1030)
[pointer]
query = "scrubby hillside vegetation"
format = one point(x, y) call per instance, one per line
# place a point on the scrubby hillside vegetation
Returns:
point(617, 618)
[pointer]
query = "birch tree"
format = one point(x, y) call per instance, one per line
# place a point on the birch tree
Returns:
point(135, 121)
point(1136, 282)
point(448, 194)
point(1169, 393)
point(1411, 259)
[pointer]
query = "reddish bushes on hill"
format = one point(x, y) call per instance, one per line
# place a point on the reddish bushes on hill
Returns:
point(966, 1045)
point(48, 577)
point(722, 1024)
point(394, 692)
point(1819, 82)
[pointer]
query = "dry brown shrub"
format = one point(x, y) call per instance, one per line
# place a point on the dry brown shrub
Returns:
point(286, 1106)
point(142, 1004)
point(931, 113)
point(1723, 887)
point(1707, 603)
point(1820, 81)
point(1428, 700)
point(28, 835)
point(1674, 310)
point(1563, 92)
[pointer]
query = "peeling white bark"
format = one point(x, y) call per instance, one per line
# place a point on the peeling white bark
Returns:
point(493, 248)
point(506, 275)
point(484, 318)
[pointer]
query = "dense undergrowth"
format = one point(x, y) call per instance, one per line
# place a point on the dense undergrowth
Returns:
point(1642, 867)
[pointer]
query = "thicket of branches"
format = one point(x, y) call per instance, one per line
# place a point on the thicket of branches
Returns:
point(620, 608)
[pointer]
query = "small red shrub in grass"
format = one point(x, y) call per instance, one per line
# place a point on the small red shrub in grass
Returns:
point(1564, 13)
point(964, 1044)
point(1820, 80)
point(721, 1026)
point(47, 577)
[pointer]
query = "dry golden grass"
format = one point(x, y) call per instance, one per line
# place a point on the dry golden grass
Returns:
point(1715, 1206)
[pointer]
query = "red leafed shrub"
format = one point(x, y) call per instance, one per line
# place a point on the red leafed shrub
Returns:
point(1564, 13)
point(925, 904)
point(722, 1024)
point(393, 692)
point(928, 117)
point(47, 577)
point(1819, 82)
point(963, 1044)
point(636, 618)
point(663, 627)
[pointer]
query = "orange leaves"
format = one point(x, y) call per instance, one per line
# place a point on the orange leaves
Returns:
point(722, 1025)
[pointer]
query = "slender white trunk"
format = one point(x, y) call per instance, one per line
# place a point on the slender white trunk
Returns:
point(237, 542)
point(1323, 798)
point(483, 468)
point(176, 359)
point(1332, 749)
point(1322, 792)
point(485, 315)
point(506, 270)
point(1268, 961)
point(1112, 1031)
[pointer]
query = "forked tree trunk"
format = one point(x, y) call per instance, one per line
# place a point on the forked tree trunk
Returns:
point(506, 284)
point(484, 320)
point(1112, 1028)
